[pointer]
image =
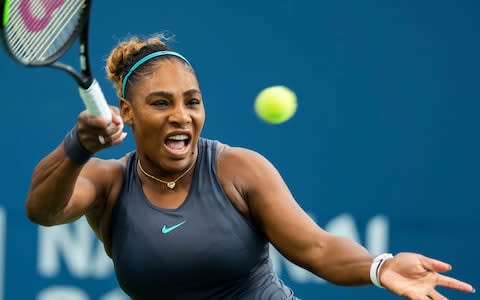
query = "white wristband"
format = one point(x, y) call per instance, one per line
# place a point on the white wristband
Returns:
point(375, 267)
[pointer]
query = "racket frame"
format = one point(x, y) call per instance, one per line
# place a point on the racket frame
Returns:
point(84, 77)
point(90, 91)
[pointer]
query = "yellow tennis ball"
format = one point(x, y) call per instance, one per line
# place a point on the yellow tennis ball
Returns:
point(276, 104)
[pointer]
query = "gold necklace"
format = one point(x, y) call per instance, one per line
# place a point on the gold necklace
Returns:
point(170, 184)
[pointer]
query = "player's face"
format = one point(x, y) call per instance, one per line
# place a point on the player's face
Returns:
point(166, 113)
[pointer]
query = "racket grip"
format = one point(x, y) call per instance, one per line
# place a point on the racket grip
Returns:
point(95, 102)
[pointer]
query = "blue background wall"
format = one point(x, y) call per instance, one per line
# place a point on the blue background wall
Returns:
point(383, 149)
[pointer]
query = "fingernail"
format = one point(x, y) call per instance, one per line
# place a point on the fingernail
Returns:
point(473, 291)
point(124, 135)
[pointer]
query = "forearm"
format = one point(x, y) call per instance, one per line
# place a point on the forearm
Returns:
point(342, 261)
point(52, 185)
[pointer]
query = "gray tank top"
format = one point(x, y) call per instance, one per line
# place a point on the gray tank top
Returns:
point(203, 249)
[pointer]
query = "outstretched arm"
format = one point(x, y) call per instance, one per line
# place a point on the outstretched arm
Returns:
point(272, 208)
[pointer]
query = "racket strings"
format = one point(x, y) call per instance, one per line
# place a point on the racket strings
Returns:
point(22, 38)
point(28, 41)
point(27, 34)
point(68, 22)
point(15, 27)
point(37, 47)
point(19, 23)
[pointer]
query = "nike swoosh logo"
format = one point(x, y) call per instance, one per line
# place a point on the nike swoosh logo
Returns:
point(166, 229)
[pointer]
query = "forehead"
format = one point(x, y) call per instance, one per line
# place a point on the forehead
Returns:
point(166, 75)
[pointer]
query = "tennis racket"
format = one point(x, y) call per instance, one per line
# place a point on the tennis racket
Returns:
point(38, 32)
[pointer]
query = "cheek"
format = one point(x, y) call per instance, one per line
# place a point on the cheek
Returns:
point(199, 118)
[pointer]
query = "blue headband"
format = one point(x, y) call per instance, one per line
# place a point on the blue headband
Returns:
point(146, 58)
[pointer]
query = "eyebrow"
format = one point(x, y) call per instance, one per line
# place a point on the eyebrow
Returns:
point(170, 95)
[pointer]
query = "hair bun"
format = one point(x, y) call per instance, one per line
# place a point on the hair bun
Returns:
point(124, 55)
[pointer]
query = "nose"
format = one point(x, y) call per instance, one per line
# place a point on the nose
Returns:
point(180, 115)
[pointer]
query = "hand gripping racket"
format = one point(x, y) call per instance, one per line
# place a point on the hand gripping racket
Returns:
point(38, 32)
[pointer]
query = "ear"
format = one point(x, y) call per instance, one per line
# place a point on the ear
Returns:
point(126, 111)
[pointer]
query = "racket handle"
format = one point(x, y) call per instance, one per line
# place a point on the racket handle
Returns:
point(95, 102)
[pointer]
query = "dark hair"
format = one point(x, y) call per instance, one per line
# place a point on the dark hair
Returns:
point(127, 53)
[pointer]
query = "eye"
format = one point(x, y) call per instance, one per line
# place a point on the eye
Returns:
point(160, 103)
point(193, 102)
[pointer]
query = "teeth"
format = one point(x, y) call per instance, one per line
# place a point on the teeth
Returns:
point(178, 137)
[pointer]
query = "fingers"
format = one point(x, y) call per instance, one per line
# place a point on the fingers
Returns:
point(116, 118)
point(434, 264)
point(442, 280)
point(455, 284)
point(96, 133)
point(111, 135)
point(431, 295)
point(118, 137)
point(434, 295)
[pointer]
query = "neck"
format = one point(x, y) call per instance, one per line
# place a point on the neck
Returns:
point(171, 184)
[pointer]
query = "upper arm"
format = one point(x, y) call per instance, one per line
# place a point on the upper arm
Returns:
point(88, 191)
point(272, 207)
point(93, 187)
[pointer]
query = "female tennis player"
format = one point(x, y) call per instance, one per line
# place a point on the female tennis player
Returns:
point(185, 217)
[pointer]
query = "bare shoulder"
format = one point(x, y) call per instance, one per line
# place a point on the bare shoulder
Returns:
point(233, 166)
point(111, 165)
point(244, 168)
point(107, 177)
point(238, 155)
point(105, 171)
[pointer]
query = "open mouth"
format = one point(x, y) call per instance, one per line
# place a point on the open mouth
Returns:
point(177, 143)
